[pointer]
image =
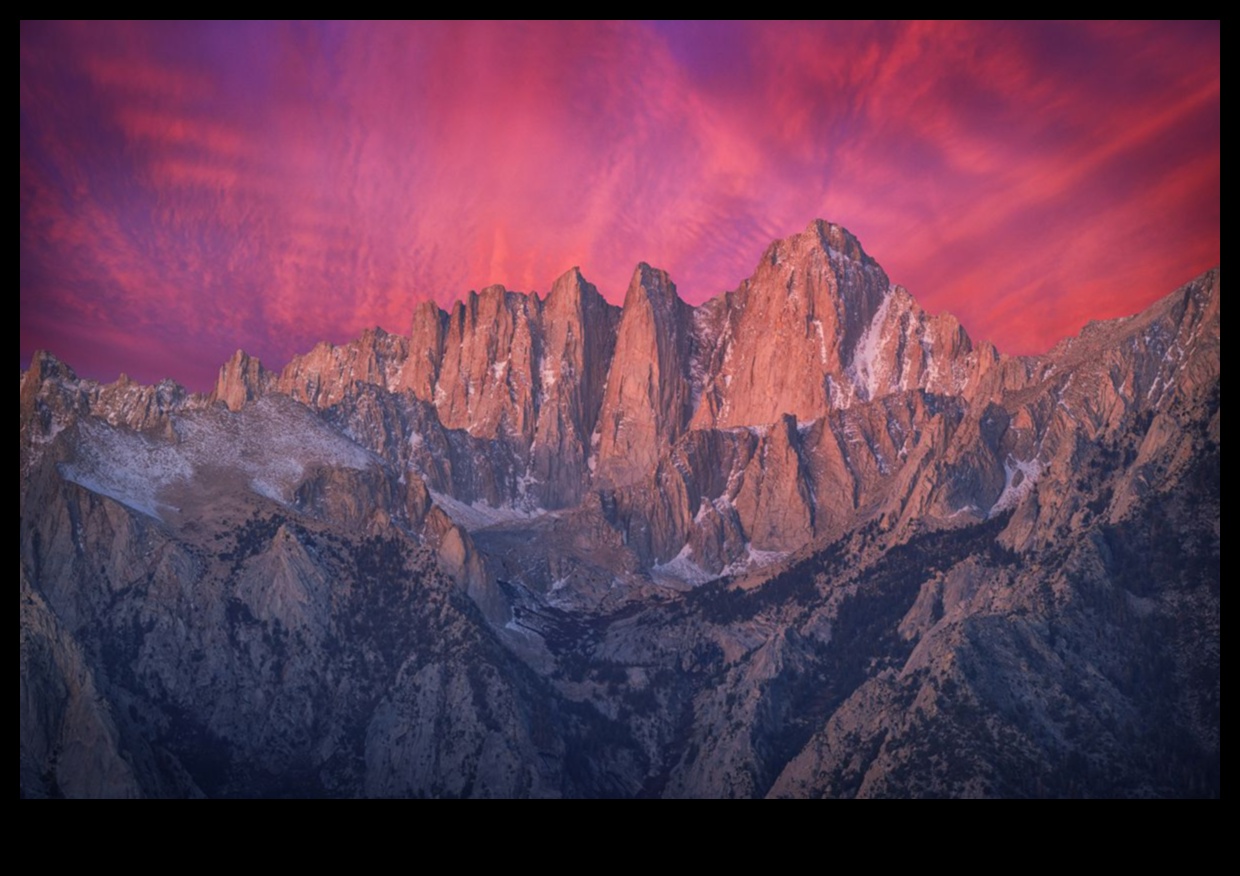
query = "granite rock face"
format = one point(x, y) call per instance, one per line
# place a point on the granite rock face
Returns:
point(804, 539)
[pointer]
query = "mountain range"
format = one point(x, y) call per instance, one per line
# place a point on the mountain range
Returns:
point(803, 540)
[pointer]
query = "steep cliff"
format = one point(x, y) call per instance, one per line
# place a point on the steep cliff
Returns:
point(802, 540)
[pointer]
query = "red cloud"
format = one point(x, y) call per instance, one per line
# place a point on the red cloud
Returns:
point(266, 186)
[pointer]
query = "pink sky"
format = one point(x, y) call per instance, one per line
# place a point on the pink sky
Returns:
point(190, 189)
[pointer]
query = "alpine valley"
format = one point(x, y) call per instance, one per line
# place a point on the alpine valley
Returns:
point(803, 540)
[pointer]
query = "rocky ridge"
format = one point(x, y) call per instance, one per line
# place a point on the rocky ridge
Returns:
point(521, 505)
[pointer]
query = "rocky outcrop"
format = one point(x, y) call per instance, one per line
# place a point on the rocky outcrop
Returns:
point(329, 374)
point(579, 338)
point(242, 379)
point(649, 398)
point(792, 331)
point(69, 743)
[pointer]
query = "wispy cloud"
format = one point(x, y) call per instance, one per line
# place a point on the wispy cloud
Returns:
point(186, 189)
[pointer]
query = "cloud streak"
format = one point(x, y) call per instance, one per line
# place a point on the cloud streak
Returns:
point(187, 189)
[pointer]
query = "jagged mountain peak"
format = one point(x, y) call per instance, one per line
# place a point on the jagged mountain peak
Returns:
point(487, 304)
point(44, 366)
point(788, 335)
point(242, 379)
point(819, 236)
point(648, 399)
point(821, 246)
point(653, 287)
point(568, 291)
point(485, 558)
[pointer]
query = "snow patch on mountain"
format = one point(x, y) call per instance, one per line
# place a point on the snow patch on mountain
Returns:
point(822, 340)
point(270, 443)
point(866, 364)
point(481, 514)
point(125, 466)
point(754, 559)
point(682, 568)
point(1019, 479)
